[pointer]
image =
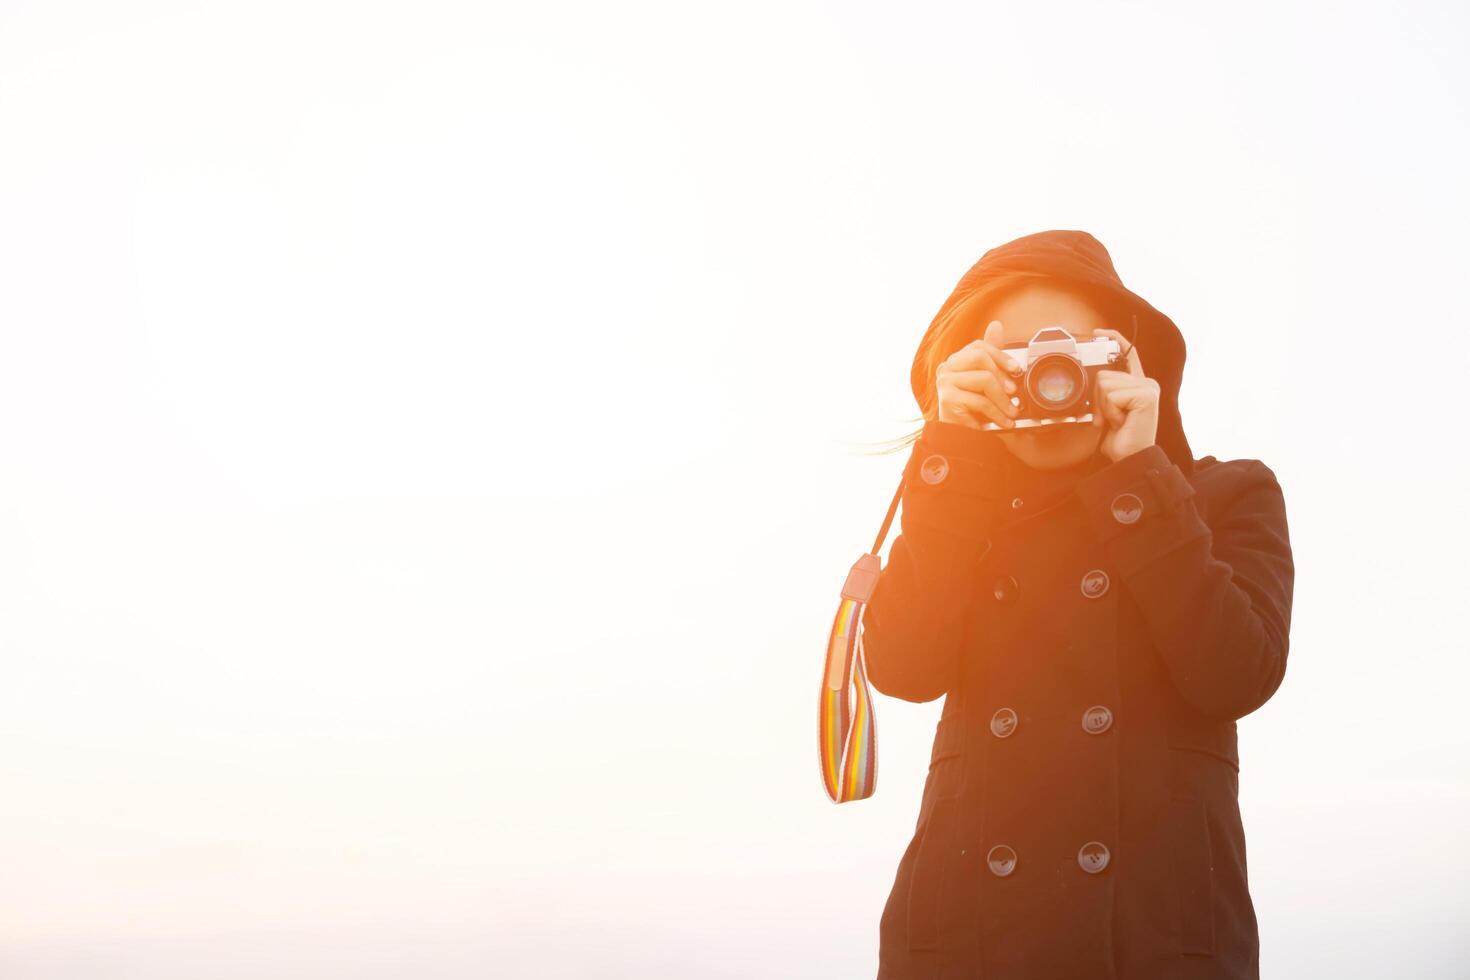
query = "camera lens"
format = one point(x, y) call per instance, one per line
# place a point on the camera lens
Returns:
point(1056, 382)
point(1055, 385)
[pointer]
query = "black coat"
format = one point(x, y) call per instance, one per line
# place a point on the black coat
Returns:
point(1097, 633)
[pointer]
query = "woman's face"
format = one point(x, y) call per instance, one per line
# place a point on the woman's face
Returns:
point(1022, 313)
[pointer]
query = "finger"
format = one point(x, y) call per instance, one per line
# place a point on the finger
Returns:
point(1135, 363)
point(1132, 398)
point(982, 405)
point(1124, 405)
point(974, 356)
point(1107, 381)
point(1110, 378)
point(995, 337)
point(978, 408)
point(986, 383)
point(982, 354)
point(1103, 409)
point(973, 359)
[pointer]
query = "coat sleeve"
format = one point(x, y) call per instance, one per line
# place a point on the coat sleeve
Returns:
point(1216, 596)
point(916, 620)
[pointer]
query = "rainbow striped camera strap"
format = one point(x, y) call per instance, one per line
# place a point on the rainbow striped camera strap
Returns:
point(848, 738)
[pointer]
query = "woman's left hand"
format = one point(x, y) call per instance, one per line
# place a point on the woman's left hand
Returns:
point(1127, 403)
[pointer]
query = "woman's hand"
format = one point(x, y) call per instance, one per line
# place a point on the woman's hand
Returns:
point(1127, 402)
point(974, 383)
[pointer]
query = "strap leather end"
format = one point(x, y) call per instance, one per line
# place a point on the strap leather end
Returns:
point(862, 578)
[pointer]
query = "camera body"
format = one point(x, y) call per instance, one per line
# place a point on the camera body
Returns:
point(1059, 373)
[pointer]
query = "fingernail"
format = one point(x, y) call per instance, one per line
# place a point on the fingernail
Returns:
point(1010, 386)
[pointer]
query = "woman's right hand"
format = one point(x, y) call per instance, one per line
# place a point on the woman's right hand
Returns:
point(975, 383)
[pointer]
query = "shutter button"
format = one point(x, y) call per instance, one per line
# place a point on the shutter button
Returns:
point(1093, 857)
point(934, 469)
point(1095, 583)
point(1127, 508)
point(1002, 860)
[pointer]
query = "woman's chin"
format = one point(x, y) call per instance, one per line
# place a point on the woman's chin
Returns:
point(1053, 447)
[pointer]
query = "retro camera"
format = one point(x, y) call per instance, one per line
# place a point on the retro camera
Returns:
point(1059, 372)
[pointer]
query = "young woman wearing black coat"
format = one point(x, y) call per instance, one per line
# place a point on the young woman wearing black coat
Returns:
point(1099, 608)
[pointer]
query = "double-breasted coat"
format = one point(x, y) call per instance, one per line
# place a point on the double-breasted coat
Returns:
point(1096, 633)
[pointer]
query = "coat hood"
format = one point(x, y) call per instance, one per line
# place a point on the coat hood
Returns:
point(1076, 261)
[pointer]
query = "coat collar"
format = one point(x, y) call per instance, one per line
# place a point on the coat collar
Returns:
point(1038, 488)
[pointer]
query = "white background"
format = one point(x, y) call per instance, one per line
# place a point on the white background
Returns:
point(433, 437)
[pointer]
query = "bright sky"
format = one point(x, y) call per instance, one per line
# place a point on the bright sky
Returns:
point(432, 440)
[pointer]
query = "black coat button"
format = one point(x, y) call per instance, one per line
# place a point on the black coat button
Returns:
point(1093, 857)
point(1002, 860)
point(1095, 583)
point(1005, 589)
point(934, 469)
point(1003, 723)
point(1127, 508)
point(1097, 719)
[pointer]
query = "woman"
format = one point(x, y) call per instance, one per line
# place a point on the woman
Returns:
point(1099, 608)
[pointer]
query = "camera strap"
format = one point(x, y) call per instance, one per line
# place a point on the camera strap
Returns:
point(849, 740)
